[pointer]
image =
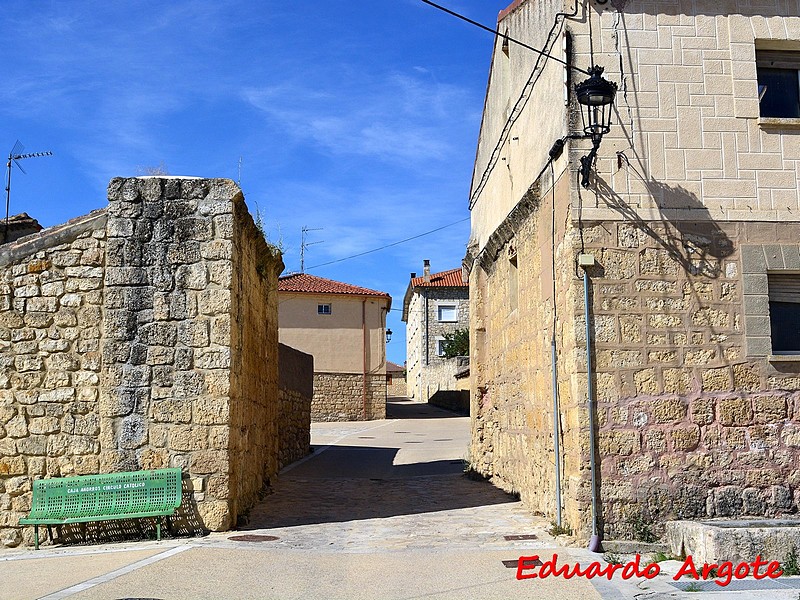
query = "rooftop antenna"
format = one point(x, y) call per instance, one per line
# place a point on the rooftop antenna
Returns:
point(14, 157)
point(239, 180)
point(303, 245)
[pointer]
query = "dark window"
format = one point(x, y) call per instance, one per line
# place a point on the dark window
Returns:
point(323, 309)
point(784, 313)
point(778, 83)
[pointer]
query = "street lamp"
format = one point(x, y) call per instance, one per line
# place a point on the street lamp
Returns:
point(388, 335)
point(596, 97)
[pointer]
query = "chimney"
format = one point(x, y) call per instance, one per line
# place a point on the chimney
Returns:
point(426, 270)
point(413, 275)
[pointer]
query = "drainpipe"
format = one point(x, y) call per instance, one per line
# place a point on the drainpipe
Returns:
point(364, 343)
point(585, 261)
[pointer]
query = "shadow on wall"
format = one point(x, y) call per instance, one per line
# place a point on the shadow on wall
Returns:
point(698, 246)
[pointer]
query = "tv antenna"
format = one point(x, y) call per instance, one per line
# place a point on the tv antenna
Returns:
point(14, 157)
point(303, 245)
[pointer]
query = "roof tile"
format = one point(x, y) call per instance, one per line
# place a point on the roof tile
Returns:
point(451, 278)
point(311, 284)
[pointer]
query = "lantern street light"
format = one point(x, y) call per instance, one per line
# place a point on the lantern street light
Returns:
point(388, 335)
point(596, 97)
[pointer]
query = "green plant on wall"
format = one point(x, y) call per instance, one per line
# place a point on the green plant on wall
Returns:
point(456, 343)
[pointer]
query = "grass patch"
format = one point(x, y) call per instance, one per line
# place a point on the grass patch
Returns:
point(790, 566)
point(556, 530)
point(612, 558)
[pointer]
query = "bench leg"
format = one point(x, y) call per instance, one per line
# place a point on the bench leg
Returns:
point(158, 528)
point(36, 536)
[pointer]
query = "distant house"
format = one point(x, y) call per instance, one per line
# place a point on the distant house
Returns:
point(18, 226)
point(395, 379)
point(434, 305)
point(344, 327)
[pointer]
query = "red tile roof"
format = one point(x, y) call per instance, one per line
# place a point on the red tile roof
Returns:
point(451, 278)
point(311, 284)
point(394, 367)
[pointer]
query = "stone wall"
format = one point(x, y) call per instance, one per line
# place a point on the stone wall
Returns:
point(427, 372)
point(295, 390)
point(694, 421)
point(50, 358)
point(341, 397)
point(691, 424)
point(398, 386)
point(181, 371)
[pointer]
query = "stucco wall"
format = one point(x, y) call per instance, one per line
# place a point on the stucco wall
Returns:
point(142, 337)
point(336, 341)
point(295, 390)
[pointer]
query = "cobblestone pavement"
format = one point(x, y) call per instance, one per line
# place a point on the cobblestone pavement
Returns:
point(392, 485)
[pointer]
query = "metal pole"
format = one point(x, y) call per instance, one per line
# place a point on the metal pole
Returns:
point(594, 543)
point(556, 428)
point(8, 197)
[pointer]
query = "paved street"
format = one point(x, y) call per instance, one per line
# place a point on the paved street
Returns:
point(380, 510)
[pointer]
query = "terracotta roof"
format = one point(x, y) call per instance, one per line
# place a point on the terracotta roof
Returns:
point(451, 278)
point(394, 367)
point(311, 284)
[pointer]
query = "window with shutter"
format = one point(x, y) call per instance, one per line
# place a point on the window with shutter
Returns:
point(784, 312)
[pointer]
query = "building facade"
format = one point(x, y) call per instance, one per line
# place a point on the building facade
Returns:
point(688, 235)
point(434, 305)
point(343, 327)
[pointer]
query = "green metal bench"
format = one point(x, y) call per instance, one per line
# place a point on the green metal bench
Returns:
point(104, 497)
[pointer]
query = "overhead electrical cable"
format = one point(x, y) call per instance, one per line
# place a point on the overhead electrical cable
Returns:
point(415, 237)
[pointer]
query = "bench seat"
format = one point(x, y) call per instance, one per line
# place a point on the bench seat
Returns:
point(110, 496)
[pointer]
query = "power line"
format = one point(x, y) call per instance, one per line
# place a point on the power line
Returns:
point(338, 260)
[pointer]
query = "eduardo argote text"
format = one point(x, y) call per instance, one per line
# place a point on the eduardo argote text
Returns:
point(722, 573)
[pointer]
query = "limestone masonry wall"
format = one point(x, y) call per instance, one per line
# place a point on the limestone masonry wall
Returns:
point(340, 397)
point(143, 337)
point(695, 420)
point(692, 422)
point(50, 355)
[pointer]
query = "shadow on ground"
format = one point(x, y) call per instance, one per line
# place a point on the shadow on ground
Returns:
point(401, 408)
point(347, 483)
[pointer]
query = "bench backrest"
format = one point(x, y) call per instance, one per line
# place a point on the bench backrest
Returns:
point(107, 494)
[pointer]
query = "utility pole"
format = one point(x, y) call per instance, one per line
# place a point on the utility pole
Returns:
point(303, 245)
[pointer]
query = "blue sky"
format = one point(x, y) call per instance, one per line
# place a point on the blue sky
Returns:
point(359, 117)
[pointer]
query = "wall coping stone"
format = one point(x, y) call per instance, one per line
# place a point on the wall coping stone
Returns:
point(52, 236)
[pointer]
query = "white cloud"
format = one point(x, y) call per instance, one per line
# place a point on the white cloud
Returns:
point(392, 118)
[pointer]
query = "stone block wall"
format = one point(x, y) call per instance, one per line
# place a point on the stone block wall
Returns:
point(51, 300)
point(295, 390)
point(692, 421)
point(398, 385)
point(141, 337)
point(341, 397)
point(691, 424)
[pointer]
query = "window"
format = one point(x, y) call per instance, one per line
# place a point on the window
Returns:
point(440, 346)
point(447, 313)
point(778, 83)
point(784, 312)
point(323, 309)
